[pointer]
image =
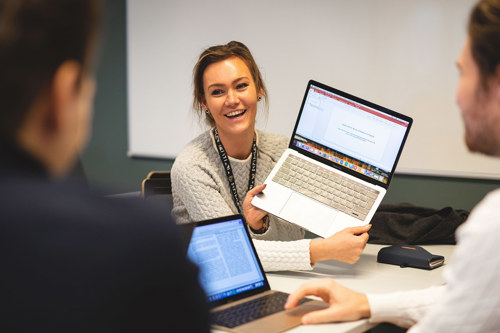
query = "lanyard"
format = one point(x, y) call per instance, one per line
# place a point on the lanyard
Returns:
point(229, 171)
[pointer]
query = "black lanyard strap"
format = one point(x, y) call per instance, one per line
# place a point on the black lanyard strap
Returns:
point(229, 171)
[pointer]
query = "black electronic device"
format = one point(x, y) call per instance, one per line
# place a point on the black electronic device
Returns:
point(409, 256)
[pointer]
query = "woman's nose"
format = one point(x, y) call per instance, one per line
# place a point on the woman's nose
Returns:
point(232, 97)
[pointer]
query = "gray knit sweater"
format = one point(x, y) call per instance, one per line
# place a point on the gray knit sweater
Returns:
point(201, 191)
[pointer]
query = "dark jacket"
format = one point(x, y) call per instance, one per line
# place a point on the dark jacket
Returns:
point(74, 261)
point(408, 224)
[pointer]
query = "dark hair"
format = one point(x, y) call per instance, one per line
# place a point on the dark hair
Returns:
point(219, 53)
point(484, 34)
point(36, 37)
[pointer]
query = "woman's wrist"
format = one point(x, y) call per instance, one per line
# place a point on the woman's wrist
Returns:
point(264, 226)
point(316, 252)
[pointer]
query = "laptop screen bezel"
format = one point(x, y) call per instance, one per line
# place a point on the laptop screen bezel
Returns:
point(360, 101)
point(244, 294)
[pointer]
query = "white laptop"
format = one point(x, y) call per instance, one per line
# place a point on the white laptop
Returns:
point(235, 284)
point(339, 163)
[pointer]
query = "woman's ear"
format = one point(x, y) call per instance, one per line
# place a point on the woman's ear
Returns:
point(204, 103)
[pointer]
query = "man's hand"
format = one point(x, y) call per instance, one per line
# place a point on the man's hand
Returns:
point(345, 304)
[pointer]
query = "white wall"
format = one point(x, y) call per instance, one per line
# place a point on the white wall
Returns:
point(397, 53)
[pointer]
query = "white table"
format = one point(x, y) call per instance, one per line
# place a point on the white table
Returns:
point(367, 275)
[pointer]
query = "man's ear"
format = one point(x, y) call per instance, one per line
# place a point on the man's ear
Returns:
point(63, 93)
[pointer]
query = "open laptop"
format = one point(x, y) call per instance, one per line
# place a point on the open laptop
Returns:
point(339, 163)
point(236, 286)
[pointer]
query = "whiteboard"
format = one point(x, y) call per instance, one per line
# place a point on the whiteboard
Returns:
point(396, 53)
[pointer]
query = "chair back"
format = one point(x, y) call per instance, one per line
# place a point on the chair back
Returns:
point(156, 183)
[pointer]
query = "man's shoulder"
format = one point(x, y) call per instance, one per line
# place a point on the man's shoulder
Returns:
point(483, 220)
point(101, 251)
point(38, 201)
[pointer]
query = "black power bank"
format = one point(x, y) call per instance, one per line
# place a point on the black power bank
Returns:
point(409, 256)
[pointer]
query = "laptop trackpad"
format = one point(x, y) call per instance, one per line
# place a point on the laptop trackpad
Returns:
point(309, 213)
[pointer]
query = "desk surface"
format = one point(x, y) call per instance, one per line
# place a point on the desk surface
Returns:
point(367, 275)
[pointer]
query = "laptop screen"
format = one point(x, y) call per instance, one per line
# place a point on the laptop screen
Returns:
point(227, 260)
point(352, 134)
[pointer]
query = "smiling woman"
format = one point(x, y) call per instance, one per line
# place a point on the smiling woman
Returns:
point(218, 169)
point(231, 100)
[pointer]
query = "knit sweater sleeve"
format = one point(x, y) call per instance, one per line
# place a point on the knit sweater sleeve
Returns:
point(280, 256)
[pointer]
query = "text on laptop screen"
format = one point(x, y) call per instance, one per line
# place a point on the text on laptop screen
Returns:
point(223, 253)
point(359, 137)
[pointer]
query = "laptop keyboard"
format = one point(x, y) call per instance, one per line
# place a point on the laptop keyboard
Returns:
point(252, 310)
point(326, 186)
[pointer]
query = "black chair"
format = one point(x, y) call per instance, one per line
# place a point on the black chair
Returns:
point(156, 183)
point(157, 187)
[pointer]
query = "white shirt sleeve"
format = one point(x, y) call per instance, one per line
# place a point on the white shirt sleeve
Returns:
point(403, 308)
point(470, 300)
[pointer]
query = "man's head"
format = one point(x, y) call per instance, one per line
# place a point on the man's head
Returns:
point(478, 92)
point(46, 77)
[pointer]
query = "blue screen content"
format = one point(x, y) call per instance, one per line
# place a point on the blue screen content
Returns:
point(227, 262)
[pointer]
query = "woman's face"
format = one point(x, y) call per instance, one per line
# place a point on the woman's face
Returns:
point(231, 97)
point(480, 109)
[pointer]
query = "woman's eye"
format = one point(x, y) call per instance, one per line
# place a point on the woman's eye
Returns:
point(217, 92)
point(242, 85)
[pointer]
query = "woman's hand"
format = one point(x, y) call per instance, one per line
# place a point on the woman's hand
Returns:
point(253, 215)
point(345, 304)
point(346, 245)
